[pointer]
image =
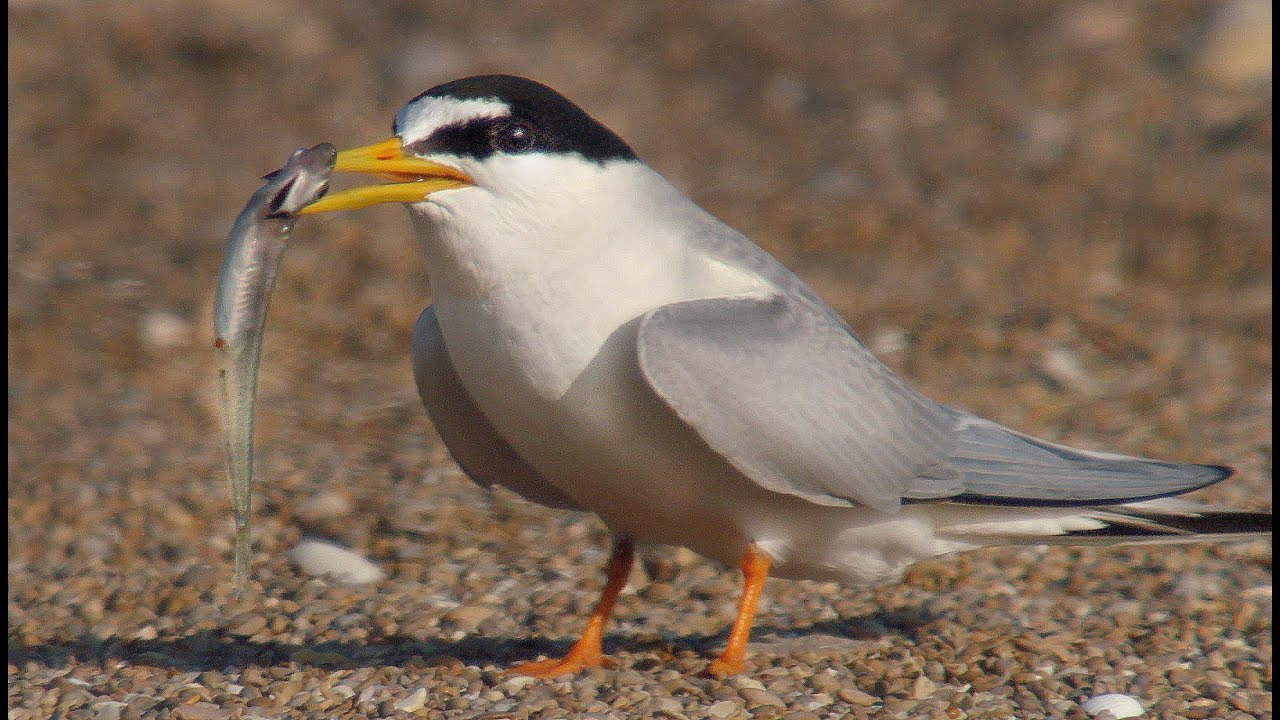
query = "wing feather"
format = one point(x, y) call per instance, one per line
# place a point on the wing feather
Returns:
point(1005, 467)
point(782, 389)
point(477, 447)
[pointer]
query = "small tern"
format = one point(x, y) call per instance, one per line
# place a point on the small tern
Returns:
point(599, 342)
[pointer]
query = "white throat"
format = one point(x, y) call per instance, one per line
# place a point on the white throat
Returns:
point(540, 262)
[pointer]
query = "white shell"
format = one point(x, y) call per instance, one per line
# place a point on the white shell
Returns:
point(1119, 706)
point(318, 557)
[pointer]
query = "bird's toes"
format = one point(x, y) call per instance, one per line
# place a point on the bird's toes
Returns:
point(721, 667)
point(552, 667)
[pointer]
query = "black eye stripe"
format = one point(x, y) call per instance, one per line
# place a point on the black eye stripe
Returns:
point(468, 138)
point(481, 138)
point(514, 136)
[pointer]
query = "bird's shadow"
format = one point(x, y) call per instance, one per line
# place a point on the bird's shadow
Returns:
point(219, 649)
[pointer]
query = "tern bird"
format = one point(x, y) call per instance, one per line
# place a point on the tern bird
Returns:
point(599, 342)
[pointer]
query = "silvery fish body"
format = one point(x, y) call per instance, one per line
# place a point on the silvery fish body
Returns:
point(254, 248)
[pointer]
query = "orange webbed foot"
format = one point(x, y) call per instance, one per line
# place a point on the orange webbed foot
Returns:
point(588, 651)
point(553, 667)
point(721, 667)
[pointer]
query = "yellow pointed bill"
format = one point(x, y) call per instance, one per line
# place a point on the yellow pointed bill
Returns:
point(413, 178)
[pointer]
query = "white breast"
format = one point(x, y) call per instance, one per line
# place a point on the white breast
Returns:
point(530, 281)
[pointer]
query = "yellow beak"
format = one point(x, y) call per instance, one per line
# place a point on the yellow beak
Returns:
point(414, 178)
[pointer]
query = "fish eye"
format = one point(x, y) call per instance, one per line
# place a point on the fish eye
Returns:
point(512, 136)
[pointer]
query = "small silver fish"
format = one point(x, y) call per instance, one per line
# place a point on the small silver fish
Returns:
point(248, 275)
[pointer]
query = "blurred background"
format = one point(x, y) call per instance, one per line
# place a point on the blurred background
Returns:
point(1056, 214)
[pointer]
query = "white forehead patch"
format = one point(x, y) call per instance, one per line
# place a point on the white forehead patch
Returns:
point(419, 119)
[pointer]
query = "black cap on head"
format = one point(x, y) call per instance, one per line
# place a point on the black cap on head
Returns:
point(540, 120)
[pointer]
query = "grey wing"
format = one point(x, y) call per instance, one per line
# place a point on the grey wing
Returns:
point(473, 442)
point(1005, 467)
point(781, 389)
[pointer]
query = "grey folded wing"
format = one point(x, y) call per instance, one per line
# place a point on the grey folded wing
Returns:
point(781, 388)
point(1005, 467)
point(474, 443)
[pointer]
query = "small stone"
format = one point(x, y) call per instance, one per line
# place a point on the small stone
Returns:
point(824, 682)
point(250, 625)
point(669, 707)
point(469, 617)
point(813, 702)
point(923, 688)
point(108, 709)
point(854, 696)
point(1064, 367)
point(755, 698)
point(323, 507)
point(162, 330)
point(742, 682)
point(887, 340)
point(413, 703)
point(201, 711)
point(318, 557)
point(1117, 705)
point(516, 684)
point(201, 576)
point(723, 709)
point(369, 693)
point(139, 705)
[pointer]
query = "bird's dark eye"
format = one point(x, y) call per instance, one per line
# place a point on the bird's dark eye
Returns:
point(512, 137)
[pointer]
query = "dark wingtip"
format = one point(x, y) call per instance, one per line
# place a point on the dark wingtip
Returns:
point(1222, 472)
point(1225, 470)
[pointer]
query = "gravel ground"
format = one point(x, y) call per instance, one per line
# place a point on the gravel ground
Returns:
point(1056, 214)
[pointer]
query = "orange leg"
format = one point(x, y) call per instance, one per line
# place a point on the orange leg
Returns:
point(755, 570)
point(588, 652)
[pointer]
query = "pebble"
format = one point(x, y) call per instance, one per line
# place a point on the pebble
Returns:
point(923, 688)
point(469, 617)
point(887, 340)
point(323, 507)
point(746, 681)
point(755, 698)
point(415, 702)
point(1064, 367)
point(854, 696)
point(1115, 705)
point(669, 707)
point(517, 684)
point(319, 557)
point(163, 330)
point(812, 702)
point(108, 709)
point(201, 711)
point(723, 709)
